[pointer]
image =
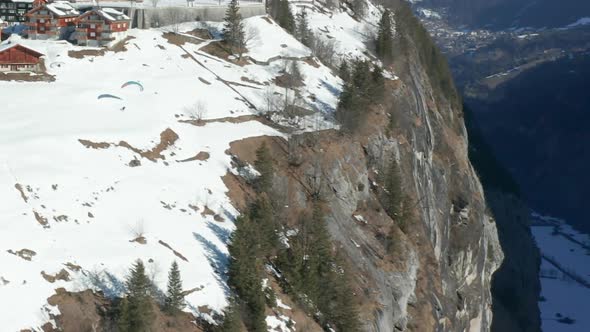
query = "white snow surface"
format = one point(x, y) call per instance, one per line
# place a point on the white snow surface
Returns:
point(562, 295)
point(94, 203)
point(348, 35)
point(278, 323)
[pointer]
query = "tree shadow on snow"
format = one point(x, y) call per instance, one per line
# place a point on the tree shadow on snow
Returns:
point(217, 259)
point(107, 283)
point(222, 234)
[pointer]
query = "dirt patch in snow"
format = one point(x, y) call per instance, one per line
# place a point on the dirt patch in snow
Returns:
point(81, 54)
point(73, 267)
point(204, 81)
point(121, 46)
point(61, 275)
point(167, 138)
point(27, 77)
point(89, 311)
point(25, 254)
point(179, 40)
point(179, 255)
point(239, 192)
point(41, 220)
point(94, 145)
point(20, 189)
point(251, 81)
point(140, 240)
point(220, 50)
point(207, 212)
point(201, 156)
point(240, 119)
point(200, 33)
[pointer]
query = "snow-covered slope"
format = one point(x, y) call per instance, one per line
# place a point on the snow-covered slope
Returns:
point(72, 201)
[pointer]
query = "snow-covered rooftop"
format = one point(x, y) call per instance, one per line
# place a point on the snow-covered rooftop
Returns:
point(62, 8)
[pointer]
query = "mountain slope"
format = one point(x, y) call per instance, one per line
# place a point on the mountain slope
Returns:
point(94, 183)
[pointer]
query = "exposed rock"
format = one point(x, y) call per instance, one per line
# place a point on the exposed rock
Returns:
point(25, 254)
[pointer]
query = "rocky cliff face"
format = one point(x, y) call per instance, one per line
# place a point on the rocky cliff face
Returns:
point(431, 272)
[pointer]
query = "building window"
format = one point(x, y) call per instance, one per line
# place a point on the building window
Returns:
point(92, 26)
point(93, 34)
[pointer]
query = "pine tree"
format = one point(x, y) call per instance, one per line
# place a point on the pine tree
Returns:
point(231, 317)
point(263, 165)
point(342, 310)
point(393, 196)
point(124, 318)
point(262, 215)
point(296, 78)
point(139, 298)
point(281, 12)
point(378, 84)
point(355, 97)
point(286, 19)
point(303, 32)
point(359, 7)
point(384, 42)
point(244, 272)
point(344, 71)
point(233, 29)
point(174, 301)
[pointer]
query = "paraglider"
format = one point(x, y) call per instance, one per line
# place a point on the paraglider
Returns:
point(132, 83)
point(106, 95)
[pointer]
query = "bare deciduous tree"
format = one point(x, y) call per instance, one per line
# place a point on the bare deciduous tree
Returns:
point(154, 3)
point(324, 50)
point(173, 16)
point(198, 111)
point(270, 101)
point(138, 230)
point(250, 34)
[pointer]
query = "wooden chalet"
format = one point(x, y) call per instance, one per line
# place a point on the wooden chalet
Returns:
point(55, 20)
point(102, 27)
point(15, 57)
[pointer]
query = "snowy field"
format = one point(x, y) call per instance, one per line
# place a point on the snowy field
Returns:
point(72, 201)
point(565, 301)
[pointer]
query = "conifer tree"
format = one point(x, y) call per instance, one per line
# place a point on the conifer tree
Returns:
point(378, 84)
point(244, 272)
point(344, 71)
point(124, 318)
point(233, 29)
point(281, 12)
point(231, 317)
point(296, 78)
point(261, 214)
point(303, 32)
point(174, 301)
point(392, 184)
point(355, 97)
point(384, 42)
point(263, 165)
point(139, 298)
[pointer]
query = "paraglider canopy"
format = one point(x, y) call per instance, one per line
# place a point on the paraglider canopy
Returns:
point(106, 95)
point(126, 84)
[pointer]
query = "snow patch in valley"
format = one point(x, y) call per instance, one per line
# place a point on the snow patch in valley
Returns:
point(565, 274)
